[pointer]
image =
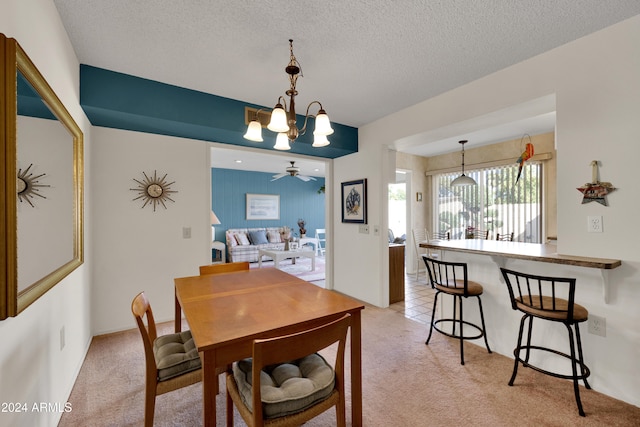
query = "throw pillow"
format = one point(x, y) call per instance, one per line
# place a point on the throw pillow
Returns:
point(274, 237)
point(258, 237)
point(242, 239)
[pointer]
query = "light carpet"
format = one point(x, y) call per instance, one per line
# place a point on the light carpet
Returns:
point(405, 383)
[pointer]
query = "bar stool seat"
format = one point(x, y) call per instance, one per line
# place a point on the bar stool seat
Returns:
point(552, 299)
point(451, 278)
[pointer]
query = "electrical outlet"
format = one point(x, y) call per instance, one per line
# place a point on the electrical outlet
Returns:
point(597, 325)
point(594, 224)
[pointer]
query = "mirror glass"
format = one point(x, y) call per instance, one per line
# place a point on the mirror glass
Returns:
point(45, 188)
point(42, 215)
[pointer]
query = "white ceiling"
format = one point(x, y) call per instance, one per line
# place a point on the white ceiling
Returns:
point(363, 59)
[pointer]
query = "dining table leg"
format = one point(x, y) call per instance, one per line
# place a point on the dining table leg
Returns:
point(177, 314)
point(210, 388)
point(356, 369)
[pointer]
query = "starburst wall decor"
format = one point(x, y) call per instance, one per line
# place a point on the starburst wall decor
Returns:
point(28, 186)
point(154, 191)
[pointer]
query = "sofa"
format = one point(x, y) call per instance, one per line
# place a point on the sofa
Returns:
point(243, 243)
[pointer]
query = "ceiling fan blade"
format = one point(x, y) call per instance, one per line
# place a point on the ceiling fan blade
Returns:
point(305, 178)
point(278, 176)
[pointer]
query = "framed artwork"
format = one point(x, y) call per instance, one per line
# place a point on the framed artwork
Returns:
point(263, 206)
point(354, 201)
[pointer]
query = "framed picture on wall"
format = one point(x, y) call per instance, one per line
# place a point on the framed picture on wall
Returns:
point(263, 206)
point(354, 201)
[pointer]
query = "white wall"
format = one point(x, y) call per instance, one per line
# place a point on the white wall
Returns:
point(138, 249)
point(595, 80)
point(33, 368)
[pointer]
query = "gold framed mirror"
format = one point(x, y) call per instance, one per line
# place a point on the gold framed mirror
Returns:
point(43, 242)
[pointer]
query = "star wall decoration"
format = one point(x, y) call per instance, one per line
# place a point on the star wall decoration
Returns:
point(595, 191)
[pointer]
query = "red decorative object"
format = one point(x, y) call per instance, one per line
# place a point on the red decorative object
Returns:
point(596, 191)
point(526, 155)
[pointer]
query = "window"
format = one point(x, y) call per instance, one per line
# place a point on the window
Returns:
point(496, 204)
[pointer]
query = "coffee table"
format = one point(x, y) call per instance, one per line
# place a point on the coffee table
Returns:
point(279, 255)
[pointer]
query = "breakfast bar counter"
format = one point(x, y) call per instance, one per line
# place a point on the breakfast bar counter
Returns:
point(500, 251)
point(545, 252)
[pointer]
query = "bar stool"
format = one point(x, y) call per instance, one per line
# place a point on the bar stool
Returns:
point(451, 278)
point(552, 299)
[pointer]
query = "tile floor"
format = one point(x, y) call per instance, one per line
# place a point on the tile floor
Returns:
point(418, 299)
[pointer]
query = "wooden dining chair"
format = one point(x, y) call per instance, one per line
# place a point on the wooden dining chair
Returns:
point(440, 235)
point(477, 233)
point(419, 236)
point(505, 237)
point(171, 361)
point(224, 268)
point(317, 386)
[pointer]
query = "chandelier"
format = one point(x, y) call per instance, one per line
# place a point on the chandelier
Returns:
point(283, 121)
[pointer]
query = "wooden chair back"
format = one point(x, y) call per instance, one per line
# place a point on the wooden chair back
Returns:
point(224, 268)
point(141, 308)
point(476, 233)
point(441, 235)
point(507, 237)
point(291, 347)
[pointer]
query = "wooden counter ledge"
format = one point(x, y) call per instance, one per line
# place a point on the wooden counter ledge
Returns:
point(527, 251)
point(499, 251)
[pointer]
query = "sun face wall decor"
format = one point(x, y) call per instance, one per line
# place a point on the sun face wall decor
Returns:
point(154, 191)
point(28, 185)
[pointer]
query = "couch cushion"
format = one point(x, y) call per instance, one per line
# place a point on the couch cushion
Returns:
point(258, 237)
point(273, 236)
point(175, 355)
point(242, 239)
point(287, 388)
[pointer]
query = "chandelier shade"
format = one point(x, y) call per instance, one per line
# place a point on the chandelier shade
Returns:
point(283, 120)
point(282, 142)
point(254, 131)
point(463, 180)
point(320, 140)
point(278, 122)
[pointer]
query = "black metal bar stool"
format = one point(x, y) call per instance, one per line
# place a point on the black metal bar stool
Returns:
point(451, 278)
point(552, 299)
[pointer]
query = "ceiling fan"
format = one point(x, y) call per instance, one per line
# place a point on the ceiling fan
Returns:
point(293, 170)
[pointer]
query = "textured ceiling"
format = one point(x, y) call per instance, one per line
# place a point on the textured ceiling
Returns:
point(363, 59)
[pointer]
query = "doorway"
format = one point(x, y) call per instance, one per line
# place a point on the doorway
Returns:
point(398, 208)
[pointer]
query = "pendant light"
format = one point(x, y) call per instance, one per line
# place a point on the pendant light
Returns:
point(463, 179)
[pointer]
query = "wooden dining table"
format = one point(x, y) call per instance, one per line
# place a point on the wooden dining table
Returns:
point(227, 311)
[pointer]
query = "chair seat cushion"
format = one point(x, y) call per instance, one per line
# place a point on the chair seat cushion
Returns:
point(175, 355)
point(287, 388)
point(457, 288)
point(545, 308)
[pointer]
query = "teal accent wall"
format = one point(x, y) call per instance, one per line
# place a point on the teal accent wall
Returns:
point(298, 199)
point(121, 101)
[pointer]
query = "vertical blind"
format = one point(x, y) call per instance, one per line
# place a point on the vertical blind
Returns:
point(497, 204)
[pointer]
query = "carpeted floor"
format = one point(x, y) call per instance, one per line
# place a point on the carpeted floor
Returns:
point(405, 383)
